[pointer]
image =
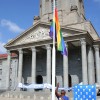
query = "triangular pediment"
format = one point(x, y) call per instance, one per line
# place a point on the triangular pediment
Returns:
point(37, 33)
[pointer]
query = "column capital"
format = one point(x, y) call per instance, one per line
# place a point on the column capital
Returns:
point(83, 41)
point(48, 47)
point(20, 51)
point(33, 49)
point(96, 47)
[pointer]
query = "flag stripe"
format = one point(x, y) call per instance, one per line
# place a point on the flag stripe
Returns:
point(58, 34)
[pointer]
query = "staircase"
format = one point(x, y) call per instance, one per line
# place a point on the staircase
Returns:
point(23, 95)
point(29, 95)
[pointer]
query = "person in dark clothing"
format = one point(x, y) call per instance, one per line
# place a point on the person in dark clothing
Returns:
point(61, 96)
point(98, 94)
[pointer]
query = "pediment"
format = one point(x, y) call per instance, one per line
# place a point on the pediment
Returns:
point(35, 34)
point(39, 34)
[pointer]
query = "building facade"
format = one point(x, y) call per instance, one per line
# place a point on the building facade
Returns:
point(29, 56)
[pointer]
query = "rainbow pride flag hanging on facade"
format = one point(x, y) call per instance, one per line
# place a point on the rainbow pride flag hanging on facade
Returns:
point(58, 34)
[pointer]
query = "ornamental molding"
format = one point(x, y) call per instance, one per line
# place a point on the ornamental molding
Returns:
point(35, 35)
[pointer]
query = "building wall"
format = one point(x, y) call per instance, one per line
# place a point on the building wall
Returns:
point(3, 71)
point(69, 11)
point(75, 64)
point(46, 6)
point(26, 72)
point(41, 64)
point(13, 73)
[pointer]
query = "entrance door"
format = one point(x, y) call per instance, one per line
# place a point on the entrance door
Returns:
point(39, 80)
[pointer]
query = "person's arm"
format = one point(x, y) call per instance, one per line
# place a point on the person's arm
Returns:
point(56, 91)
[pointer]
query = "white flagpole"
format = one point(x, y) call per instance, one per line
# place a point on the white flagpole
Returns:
point(53, 56)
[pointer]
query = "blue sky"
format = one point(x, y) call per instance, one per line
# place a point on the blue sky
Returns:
point(17, 16)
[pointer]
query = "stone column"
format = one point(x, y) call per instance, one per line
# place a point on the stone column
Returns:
point(96, 47)
point(91, 70)
point(48, 64)
point(84, 61)
point(8, 69)
point(65, 70)
point(33, 65)
point(20, 66)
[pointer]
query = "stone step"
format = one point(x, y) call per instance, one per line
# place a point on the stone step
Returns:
point(21, 95)
point(29, 95)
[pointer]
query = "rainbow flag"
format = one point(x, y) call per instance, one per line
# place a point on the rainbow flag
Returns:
point(58, 34)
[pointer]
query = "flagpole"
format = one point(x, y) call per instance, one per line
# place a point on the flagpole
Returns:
point(53, 55)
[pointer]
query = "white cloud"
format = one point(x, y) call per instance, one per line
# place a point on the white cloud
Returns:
point(13, 27)
point(2, 49)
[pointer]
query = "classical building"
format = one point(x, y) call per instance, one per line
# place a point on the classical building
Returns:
point(29, 56)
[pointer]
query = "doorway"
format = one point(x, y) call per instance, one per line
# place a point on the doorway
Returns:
point(70, 80)
point(39, 80)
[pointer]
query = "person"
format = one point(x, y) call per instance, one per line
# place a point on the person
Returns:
point(61, 96)
point(98, 93)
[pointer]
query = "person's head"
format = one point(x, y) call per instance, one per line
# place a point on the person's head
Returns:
point(63, 92)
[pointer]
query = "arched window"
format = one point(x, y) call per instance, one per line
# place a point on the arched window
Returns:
point(39, 79)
